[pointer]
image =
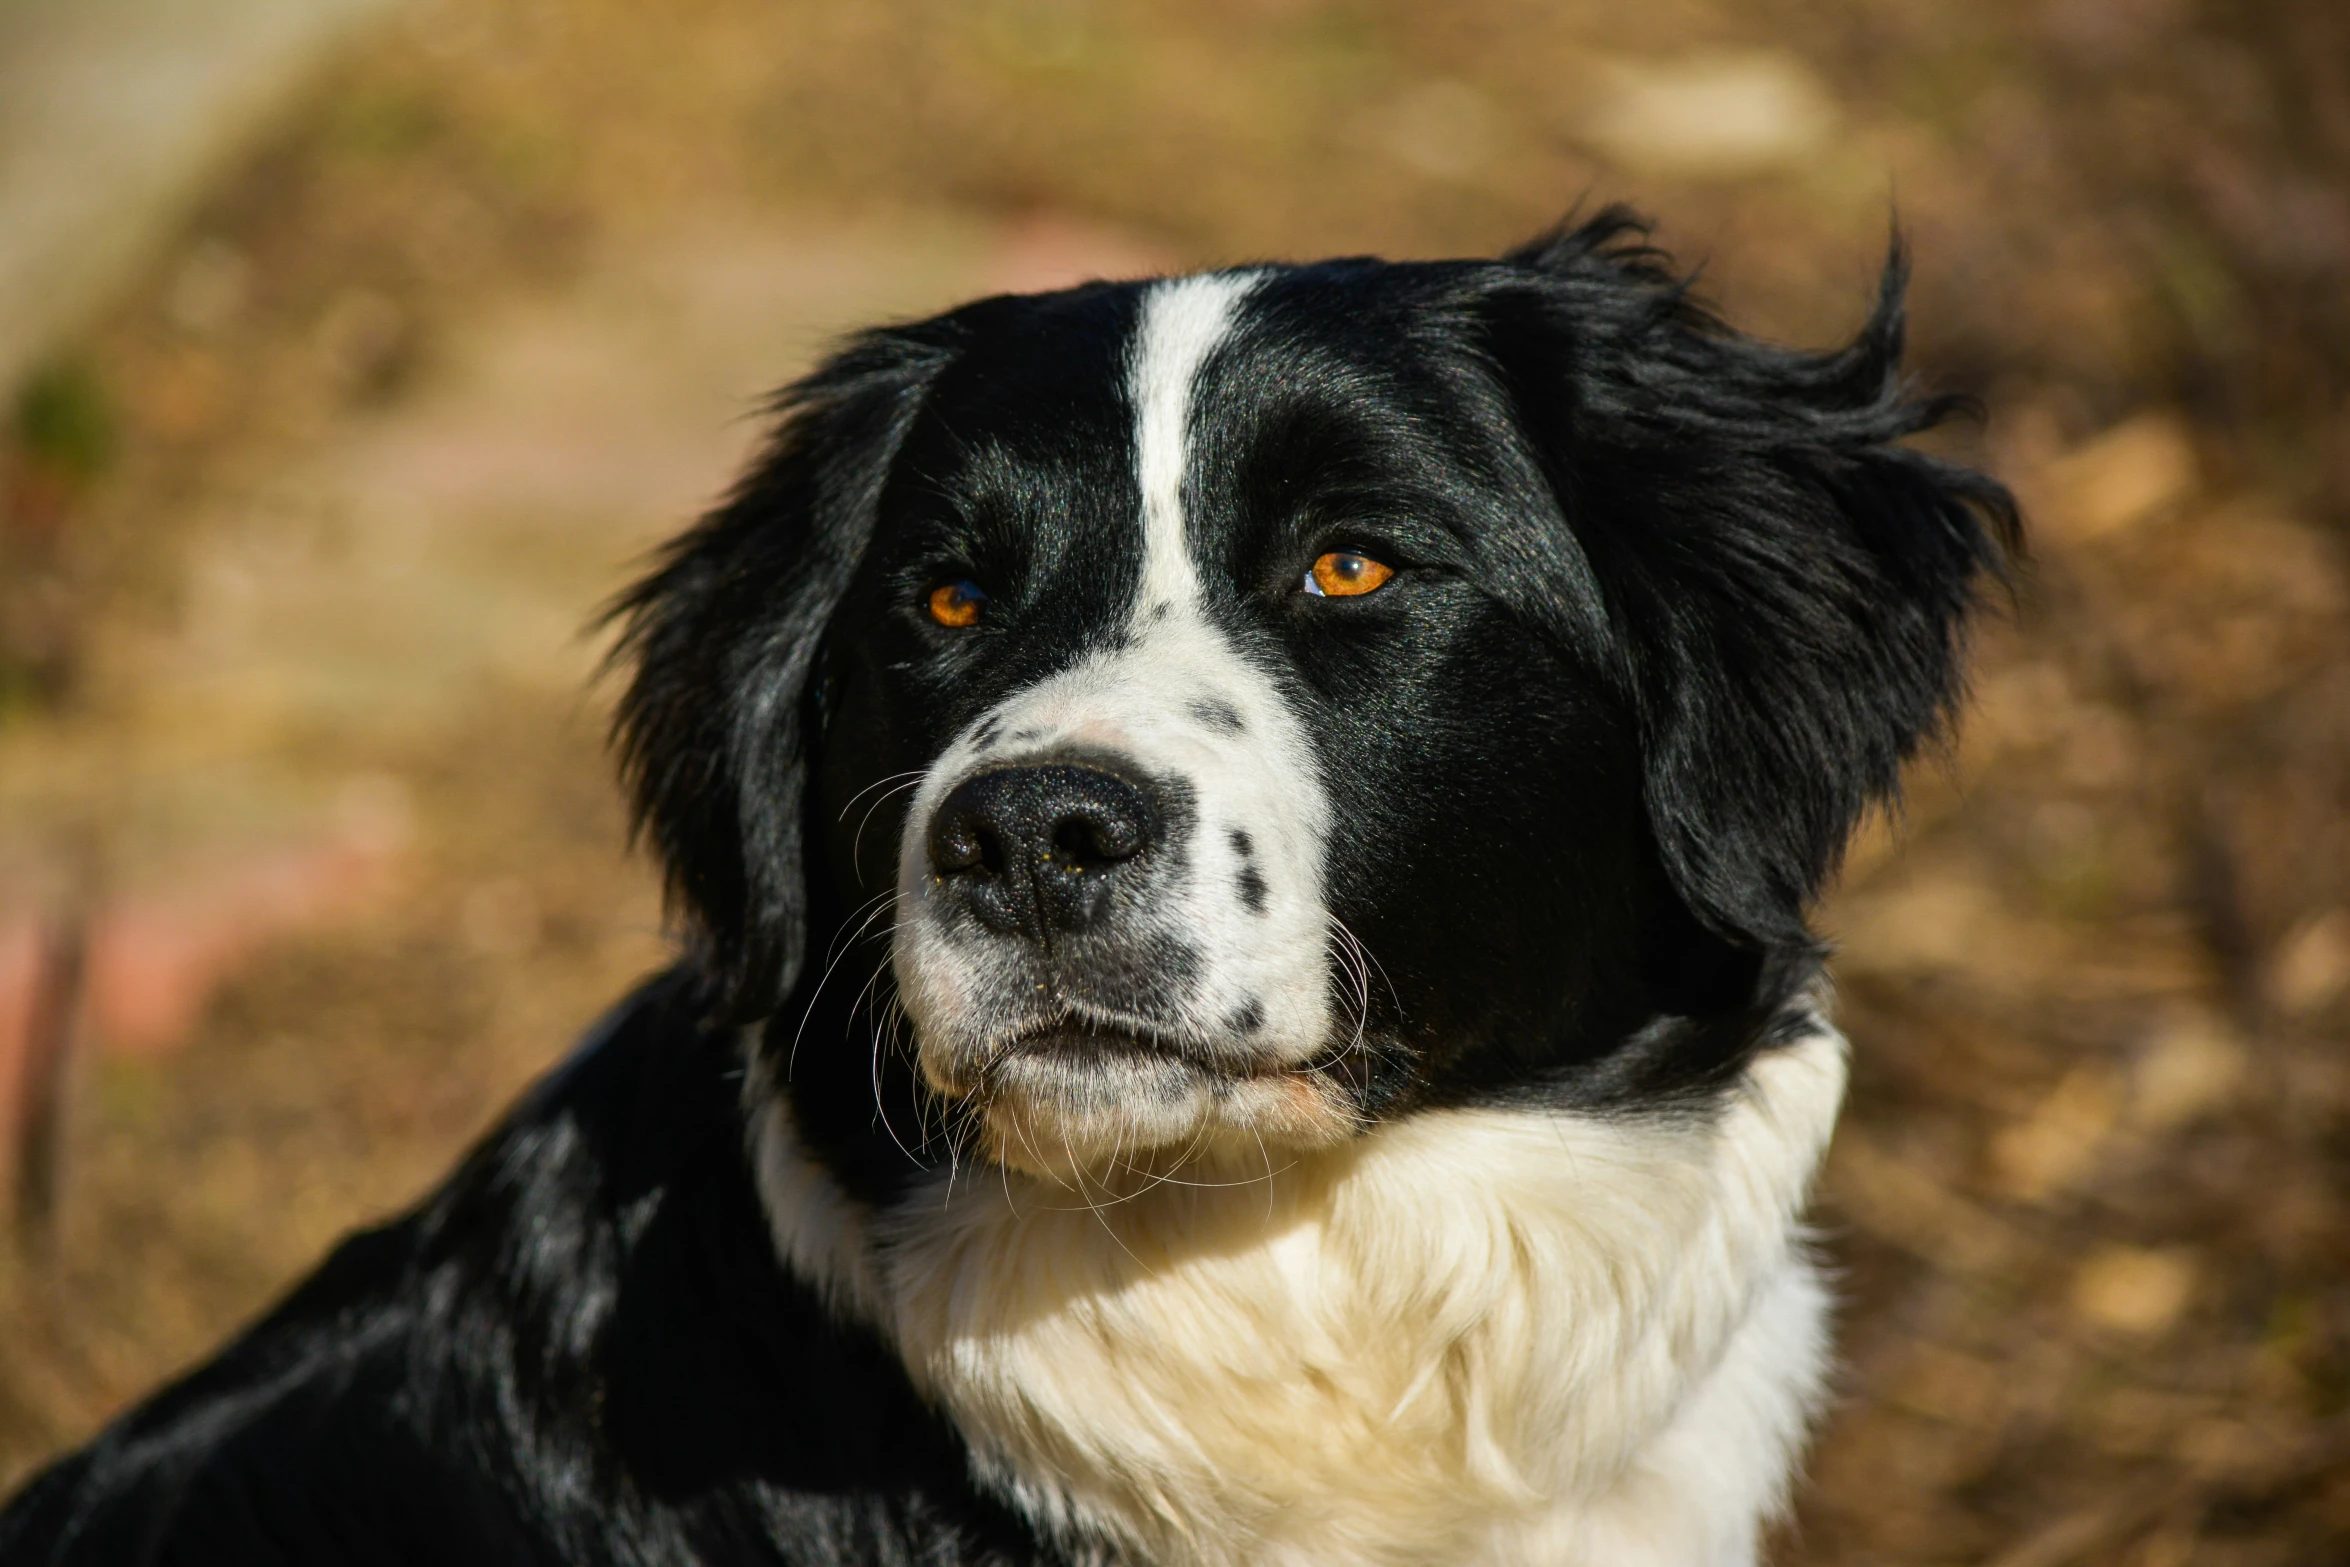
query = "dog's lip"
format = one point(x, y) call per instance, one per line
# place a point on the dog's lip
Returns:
point(1093, 1041)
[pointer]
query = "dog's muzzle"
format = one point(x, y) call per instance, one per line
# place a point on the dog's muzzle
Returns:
point(1053, 964)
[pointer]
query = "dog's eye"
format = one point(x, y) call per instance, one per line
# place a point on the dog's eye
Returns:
point(1346, 574)
point(957, 603)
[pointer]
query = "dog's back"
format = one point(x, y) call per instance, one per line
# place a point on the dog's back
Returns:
point(580, 1350)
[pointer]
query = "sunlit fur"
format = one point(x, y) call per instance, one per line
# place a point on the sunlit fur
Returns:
point(1472, 1336)
point(1174, 1070)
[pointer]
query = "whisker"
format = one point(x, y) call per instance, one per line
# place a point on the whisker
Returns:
point(851, 928)
point(1263, 1154)
point(881, 1109)
point(857, 843)
point(841, 947)
point(949, 1133)
point(1361, 961)
point(1036, 1154)
point(1212, 1186)
point(1168, 1177)
point(1004, 1171)
point(1372, 959)
point(869, 788)
point(1078, 1170)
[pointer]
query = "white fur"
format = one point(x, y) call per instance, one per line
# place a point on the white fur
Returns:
point(1182, 322)
point(1144, 701)
point(1476, 1336)
point(1489, 1336)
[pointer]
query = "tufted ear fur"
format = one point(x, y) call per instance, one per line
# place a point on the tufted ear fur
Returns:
point(716, 727)
point(1787, 584)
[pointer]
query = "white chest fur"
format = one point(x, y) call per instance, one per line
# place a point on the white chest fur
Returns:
point(1476, 1336)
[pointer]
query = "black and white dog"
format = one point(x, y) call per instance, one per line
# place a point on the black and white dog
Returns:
point(1247, 840)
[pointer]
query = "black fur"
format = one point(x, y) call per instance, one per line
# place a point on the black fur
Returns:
point(1673, 606)
point(580, 1350)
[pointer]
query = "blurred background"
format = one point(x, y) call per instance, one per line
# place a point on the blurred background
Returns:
point(353, 349)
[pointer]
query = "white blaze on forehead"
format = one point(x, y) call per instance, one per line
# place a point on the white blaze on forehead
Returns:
point(1182, 322)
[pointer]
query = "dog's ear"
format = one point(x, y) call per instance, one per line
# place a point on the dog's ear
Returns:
point(716, 725)
point(1786, 583)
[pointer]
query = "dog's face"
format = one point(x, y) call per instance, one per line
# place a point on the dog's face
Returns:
point(1240, 776)
point(1255, 704)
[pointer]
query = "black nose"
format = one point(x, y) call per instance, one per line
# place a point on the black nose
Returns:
point(1037, 850)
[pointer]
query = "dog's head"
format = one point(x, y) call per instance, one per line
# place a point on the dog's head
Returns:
point(1250, 705)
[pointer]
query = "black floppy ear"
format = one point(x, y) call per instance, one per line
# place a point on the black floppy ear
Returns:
point(716, 726)
point(1788, 584)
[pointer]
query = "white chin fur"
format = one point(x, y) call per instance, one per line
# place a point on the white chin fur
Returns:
point(1477, 1336)
point(1154, 1119)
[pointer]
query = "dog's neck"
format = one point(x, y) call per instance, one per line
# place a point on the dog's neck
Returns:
point(1473, 1335)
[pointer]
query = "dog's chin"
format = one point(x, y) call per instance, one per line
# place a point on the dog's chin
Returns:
point(1106, 1108)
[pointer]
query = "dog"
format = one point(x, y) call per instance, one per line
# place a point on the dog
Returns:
point(1244, 842)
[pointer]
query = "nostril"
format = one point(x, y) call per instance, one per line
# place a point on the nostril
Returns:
point(964, 842)
point(1089, 839)
point(956, 848)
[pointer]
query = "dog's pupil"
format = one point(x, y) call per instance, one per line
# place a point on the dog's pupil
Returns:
point(1346, 573)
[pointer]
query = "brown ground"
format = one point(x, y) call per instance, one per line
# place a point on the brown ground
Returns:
point(294, 554)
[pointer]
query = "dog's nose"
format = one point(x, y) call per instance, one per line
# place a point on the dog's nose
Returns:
point(1037, 850)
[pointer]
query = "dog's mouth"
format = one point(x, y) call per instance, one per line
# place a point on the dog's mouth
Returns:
point(1092, 1098)
point(1081, 1042)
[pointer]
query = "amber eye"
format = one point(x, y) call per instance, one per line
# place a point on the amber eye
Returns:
point(957, 603)
point(1343, 574)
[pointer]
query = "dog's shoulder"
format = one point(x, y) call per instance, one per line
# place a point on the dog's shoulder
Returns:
point(581, 1348)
